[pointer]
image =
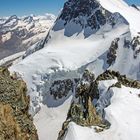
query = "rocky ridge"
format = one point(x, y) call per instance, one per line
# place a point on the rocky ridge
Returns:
point(15, 121)
point(19, 33)
point(83, 110)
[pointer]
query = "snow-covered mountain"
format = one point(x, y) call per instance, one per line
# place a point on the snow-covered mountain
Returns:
point(90, 37)
point(19, 33)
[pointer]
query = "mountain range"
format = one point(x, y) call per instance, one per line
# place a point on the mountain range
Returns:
point(19, 33)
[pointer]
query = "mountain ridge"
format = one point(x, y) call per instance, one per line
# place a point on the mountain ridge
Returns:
point(19, 33)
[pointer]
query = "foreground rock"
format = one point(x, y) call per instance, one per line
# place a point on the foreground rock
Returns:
point(15, 122)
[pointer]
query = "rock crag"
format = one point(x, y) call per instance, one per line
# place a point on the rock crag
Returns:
point(15, 121)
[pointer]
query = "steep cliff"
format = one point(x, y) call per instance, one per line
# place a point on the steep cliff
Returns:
point(15, 121)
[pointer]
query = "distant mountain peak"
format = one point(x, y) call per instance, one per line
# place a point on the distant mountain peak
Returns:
point(13, 17)
point(136, 7)
point(28, 19)
point(19, 33)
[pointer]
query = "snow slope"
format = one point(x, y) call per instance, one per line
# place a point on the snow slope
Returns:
point(71, 46)
point(51, 119)
point(131, 15)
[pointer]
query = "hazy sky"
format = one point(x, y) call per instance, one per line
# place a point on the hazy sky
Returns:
point(37, 7)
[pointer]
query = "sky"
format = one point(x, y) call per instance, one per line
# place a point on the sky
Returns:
point(36, 7)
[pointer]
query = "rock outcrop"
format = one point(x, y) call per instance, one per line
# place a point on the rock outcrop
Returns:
point(111, 55)
point(61, 88)
point(15, 121)
point(134, 44)
point(122, 79)
point(83, 110)
point(95, 19)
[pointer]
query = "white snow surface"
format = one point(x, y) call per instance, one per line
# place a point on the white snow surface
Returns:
point(49, 120)
point(131, 14)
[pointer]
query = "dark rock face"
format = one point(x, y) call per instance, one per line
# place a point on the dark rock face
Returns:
point(111, 55)
point(135, 43)
point(15, 122)
point(61, 88)
point(122, 79)
point(91, 9)
point(133, 5)
point(74, 8)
